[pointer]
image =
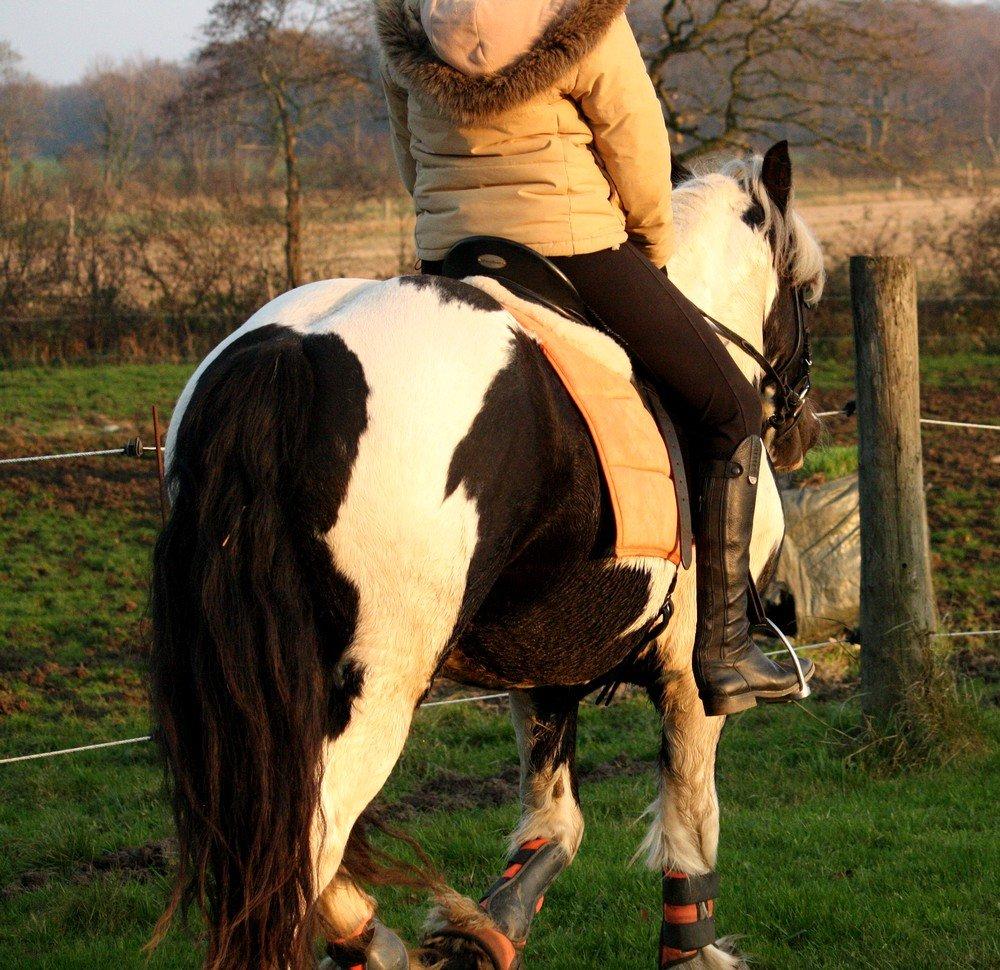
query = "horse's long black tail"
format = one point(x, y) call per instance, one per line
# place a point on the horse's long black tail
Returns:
point(249, 620)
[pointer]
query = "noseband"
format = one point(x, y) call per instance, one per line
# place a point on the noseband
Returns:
point(791, 389)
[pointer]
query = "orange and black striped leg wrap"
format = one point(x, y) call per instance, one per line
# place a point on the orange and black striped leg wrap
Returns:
point(688, 916)
point(511, 903)
point(514, 899)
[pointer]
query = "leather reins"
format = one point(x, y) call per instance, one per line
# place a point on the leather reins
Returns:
point(790, 398)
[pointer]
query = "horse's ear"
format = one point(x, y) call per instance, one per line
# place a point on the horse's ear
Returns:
point(776, 174)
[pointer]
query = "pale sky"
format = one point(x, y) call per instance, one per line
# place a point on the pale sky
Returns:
point(60, 39)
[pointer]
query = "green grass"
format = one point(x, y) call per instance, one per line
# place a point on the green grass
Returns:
point(823, 866)
point(829, 461)
point(940, 371)
point(79, 401)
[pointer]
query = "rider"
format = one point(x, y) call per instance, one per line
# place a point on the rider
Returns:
point(536, 120)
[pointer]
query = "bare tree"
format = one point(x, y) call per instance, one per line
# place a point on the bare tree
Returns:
point(125, 104)
point(281, 66)
point(732, 72)
point(21, 103)
point(977, 28)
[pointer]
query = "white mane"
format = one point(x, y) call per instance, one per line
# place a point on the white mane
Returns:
point(797, 254)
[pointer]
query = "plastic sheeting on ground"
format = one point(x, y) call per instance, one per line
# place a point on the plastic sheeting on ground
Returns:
point(820, 565)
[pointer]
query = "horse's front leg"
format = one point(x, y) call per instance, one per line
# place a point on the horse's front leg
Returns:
point(542, 845)
point(683, 839)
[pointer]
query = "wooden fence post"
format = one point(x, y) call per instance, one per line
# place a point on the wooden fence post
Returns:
point(898, 611)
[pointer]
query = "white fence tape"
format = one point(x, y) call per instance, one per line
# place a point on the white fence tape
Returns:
point(462, 700)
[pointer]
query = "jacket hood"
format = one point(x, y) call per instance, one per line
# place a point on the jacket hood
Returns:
point(475, 59)
point(478, 37)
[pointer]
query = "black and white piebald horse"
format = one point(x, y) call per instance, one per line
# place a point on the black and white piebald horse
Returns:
point(376, 483)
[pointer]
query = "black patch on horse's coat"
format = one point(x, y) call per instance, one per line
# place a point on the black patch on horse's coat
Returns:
point(780, 327)
point(498, 463)
point(780, 339)
point(552, 732)
point(347, 689)
point(776, 175)
point(338, 419)
point(754, 215)
point(542, 603)
point(454, 291)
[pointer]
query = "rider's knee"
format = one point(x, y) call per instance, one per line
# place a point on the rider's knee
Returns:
point(740, 417)
point(749, 408)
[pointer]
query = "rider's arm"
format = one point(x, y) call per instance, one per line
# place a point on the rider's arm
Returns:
point(395, 99)
point(617, 98)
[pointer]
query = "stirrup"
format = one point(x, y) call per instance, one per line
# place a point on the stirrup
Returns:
point(804, 689)
point(764, 623)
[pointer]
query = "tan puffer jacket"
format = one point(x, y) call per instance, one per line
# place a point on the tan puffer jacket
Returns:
point(530, 119)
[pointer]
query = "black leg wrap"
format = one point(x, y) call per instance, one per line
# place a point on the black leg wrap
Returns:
point(376, 948)
point(688, 936)
point(517, 895)
point(680, 889)
point(688, 916)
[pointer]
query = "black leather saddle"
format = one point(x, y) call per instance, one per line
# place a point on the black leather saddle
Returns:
point(521, 270)
point(537, 279)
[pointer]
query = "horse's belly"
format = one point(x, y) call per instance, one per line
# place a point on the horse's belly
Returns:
point(573, 632)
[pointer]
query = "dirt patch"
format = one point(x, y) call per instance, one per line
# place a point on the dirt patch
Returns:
point(449, 791)
point(141, 863)
point(962, 476)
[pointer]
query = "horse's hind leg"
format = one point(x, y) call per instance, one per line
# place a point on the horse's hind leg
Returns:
point(356, 764)
point(355, 938)
point(683, 839)
point(542, 845)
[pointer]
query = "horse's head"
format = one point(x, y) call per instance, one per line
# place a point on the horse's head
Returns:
point(748, 258)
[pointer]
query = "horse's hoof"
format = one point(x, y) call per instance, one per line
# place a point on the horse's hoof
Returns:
point(467, 948)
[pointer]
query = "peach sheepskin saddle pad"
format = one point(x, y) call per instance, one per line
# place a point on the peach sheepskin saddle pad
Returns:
point(630, 449)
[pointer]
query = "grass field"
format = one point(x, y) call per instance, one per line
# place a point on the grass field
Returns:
point(823, 865)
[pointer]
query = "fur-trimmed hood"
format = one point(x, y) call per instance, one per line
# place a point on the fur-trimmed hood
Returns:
point(569, 31)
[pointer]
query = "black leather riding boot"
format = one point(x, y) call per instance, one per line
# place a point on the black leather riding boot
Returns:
point(731, 671)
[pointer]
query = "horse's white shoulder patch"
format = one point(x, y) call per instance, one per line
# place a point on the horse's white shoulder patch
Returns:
point(589, 340)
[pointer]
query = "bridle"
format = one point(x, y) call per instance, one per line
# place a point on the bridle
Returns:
point(791, 390)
